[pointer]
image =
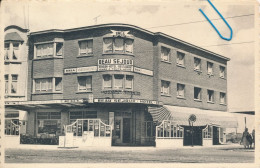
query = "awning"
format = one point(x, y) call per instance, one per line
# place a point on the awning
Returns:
point(14, 36)
point(180, 116)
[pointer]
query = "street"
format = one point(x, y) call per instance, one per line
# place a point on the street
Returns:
point(197, 154)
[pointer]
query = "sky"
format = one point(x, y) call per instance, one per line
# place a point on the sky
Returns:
point(180, 19)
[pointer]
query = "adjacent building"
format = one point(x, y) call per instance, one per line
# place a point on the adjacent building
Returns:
point(16, 77)
point(119, 84)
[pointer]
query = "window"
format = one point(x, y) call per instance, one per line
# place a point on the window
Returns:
point(59, 48)
point(165, 87)
point(210, 96)
point(14, 84)
point(180, 58)
point(85, 83)
point(180, 90)
point(197, 93)
point(222, 72)
point(207, 132)
point(46, 84)
point(150, 128)
point(47, 50)
point(197, 64)
point(49, 122)
point(86, 47)
point(6, 84)
point(129, 82)
point(165, 54)
point(81, 115)
point(119, 82)
point(222, 97)
point(58, 84)
point(107, 84)
point(15, 51)
point(7, 48)
point(210, 68)
point(117, 45)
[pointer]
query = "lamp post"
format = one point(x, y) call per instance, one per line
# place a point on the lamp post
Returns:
point(191, 120)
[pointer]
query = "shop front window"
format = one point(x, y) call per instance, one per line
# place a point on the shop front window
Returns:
point(168, 129)
point(49, 123)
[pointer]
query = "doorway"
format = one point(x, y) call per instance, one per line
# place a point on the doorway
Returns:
point(197, 136)
point(215, 135)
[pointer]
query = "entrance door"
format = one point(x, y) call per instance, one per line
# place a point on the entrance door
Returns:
point(197, 136)
point(216, 136)
point(126, 130)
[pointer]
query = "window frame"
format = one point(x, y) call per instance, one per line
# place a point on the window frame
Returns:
point(200, 94)
point(179, 53)
point(87, 41)
point(210, 63)
point(16, 83)
point(168, 56)
point(113, 51)
point(48, 84)
point(213, 96)
point(224, 72)
point(225, 99)
point(86, 88)
point(178, 95)
point(163, 93)
point(112, 77)
point(54, 50)
point(195, 69)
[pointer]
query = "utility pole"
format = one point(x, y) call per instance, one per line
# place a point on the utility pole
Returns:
point(96, 18)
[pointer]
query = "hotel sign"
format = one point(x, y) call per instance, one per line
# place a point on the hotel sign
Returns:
point(115, 65)
point(120, 92)
point(141, 101)
point(80, 69)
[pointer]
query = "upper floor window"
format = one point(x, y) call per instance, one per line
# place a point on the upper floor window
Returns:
point(48, 85)
point(118, 81)
point(11, 86)
point(165, 54)
point(197, 64)
point(210, 68)
point(222, 98)
point(180, 90)
point(117, 45)
point(86, 47)
point(85, 83)
point(180, 58)
point(14, 84)
point(197, 93)
point(6, 83)
point(47, 50)
point(222, 72)
point(11, 50)
point(165, 87)
point(211, 96)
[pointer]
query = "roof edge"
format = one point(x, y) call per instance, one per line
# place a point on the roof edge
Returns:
point(16, 27)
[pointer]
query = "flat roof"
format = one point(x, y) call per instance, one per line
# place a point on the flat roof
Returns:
point(127, 26)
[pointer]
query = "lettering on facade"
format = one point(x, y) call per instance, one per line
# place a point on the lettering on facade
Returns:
point(127, 101)
point(115, 61)
point(121, 92)
point(143, 71)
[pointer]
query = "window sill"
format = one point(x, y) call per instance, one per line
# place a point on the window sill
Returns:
point(13, 95)
point(45, 58)
point(12, 62)
point(223, 104)
point(82, 92)
point(197, 100)
point(85, 55)
point(166, 95)
point(118, 53)
point(210, 102)
point(43, 93)
point(182, 66)
point(168, 62)
point(179, 97)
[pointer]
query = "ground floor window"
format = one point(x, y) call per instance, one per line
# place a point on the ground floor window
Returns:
point(150, 128)
point(168, 129)
point(82, 115)
point(11, 127)
point(207, 132)
point(49, 123)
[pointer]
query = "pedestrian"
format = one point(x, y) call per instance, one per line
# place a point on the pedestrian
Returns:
point(246, 139)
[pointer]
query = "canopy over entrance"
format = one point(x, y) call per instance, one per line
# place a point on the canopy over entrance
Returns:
point(180, 115)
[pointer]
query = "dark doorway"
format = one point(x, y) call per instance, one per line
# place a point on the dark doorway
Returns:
point(126, 130)
point(197, 136)
point(215, 136)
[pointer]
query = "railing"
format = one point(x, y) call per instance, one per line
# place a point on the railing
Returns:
point(169, 130)
point(12, 129)
point(207, 132)
point(99, 128)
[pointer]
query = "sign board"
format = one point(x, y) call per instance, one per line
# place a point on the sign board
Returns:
point(143, 71)
point(120, 92)
point(192, 118)
point(80, 70)
point(115, 61)
point(126, 101)
point(128, 68)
